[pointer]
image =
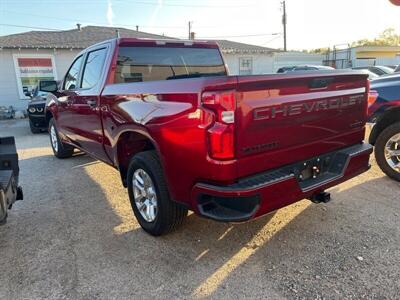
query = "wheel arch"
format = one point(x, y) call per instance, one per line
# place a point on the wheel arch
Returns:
point(130, 143)
point(390, 117)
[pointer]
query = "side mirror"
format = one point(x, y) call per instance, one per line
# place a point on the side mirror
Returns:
point(49, 86)
point(28, 94)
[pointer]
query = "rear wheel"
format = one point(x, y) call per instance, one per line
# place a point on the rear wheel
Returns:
point(156, 213)
point(387, 151)
point(60, 149)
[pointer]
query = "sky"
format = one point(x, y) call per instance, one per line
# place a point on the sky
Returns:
point(310, 23)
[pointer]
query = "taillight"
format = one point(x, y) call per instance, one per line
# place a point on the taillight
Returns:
point(221, 133)
point(372, 97)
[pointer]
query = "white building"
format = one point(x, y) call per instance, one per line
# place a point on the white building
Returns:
point(27, 57)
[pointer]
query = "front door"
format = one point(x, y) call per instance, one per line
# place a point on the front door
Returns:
point(82, 117)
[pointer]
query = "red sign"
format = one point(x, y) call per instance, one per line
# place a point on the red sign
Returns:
point(395, 2)
point(34, 62)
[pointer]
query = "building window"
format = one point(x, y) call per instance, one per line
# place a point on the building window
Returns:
point(245, 65)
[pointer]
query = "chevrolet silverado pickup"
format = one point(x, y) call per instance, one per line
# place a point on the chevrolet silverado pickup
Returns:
point(183, 134)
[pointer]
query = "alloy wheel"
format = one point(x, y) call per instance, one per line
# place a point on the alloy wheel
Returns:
point(145, 195)
point(392, 152)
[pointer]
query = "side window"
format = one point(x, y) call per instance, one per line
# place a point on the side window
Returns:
point(71, 79)
point(93, 67)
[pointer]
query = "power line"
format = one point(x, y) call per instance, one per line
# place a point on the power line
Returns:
point(30, 27)
point(271, 40)
point(185, 5)
point(211, 37)
point(115, 24)
point(83, 21)
point(239, 36)
point(148, 3)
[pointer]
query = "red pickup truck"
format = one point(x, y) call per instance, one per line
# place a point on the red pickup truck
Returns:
point(185, 135)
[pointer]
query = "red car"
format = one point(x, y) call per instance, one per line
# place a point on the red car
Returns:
point(185, 135)
point(384, 114)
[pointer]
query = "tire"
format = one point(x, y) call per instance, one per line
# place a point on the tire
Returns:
point(34, 130)
point(168, 214)
point(60, 149)
point(3, 209)
point(383, 139)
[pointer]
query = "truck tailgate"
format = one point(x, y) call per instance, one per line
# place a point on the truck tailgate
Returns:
point(286, 118)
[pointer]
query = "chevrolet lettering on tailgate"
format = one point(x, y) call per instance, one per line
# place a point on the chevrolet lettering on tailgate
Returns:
point(287, 110)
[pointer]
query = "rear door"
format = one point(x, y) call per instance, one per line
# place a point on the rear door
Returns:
point(282, 119)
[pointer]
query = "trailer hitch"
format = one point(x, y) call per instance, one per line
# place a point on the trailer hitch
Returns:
point(323, 197)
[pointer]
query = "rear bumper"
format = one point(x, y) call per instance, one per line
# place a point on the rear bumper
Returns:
point(265, 192)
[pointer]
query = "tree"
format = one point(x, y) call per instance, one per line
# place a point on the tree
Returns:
point(388, 37)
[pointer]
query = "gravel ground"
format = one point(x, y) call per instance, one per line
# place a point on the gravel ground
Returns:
point(74, 237)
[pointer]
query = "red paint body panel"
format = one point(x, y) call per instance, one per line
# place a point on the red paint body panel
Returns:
point(171, 115)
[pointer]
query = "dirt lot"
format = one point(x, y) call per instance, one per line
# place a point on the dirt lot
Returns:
point(74, 236)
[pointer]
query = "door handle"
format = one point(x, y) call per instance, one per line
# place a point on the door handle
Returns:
point(91, 103)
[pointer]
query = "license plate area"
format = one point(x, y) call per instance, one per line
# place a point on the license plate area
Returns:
point(317, 170)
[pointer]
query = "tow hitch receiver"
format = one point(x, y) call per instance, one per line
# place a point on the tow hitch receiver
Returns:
point(320, 197)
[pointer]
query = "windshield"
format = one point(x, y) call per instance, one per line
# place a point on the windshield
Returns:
point(387, 70)
point(37, 93)
point(136, 64)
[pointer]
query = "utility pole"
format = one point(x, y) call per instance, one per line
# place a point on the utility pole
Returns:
point(190, 29)
point(284, 20)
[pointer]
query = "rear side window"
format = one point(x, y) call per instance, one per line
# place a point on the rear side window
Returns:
point(93, 67)
point(137, 64)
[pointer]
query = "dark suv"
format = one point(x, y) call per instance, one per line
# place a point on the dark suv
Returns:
point(36, 108)
point(384, 113)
